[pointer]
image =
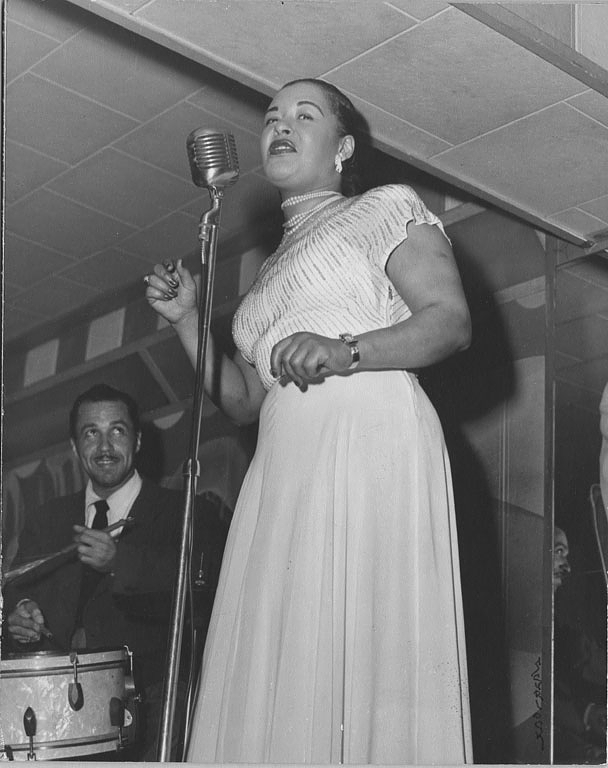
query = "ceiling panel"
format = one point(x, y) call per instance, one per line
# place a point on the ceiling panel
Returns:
point(26, 48)
point(420, 9)
point(64, 225)
point(558, 162)
point(30, 265)
point(127, 74)
point(101, 270)
point(125, 188)
point(390, 131)
point(26, 169)
point(58, 22)
point(41, 112)
point(162, 142)
point(228, 103)
point(576, 220)
point(597, 207)
point(592, 104)
point(289, 40)
point(462, 100)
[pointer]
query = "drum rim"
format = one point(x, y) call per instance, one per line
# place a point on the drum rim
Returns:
point(15, 656)
point(99, 740)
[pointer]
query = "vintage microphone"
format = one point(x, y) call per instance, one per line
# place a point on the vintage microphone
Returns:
point(214, 165)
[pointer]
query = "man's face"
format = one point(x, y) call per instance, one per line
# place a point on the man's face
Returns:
point(106, 444)
point(561, 566)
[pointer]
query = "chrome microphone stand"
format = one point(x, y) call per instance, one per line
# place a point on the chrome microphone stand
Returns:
point(208, 234)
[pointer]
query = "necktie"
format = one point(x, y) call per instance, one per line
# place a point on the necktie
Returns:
point(90, 577)
point(100, 520)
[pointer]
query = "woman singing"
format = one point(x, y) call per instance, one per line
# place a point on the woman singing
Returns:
point(337, 631)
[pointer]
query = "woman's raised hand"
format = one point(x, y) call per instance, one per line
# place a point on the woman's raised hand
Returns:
point(171, 291)
point(306, 357)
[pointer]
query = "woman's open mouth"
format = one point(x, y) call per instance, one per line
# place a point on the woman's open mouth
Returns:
point(281, 147)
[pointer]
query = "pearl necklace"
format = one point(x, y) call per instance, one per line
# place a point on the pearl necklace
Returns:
point(306, 196)
point(296, 221)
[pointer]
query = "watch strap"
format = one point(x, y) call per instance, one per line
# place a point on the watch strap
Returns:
point(353, 345)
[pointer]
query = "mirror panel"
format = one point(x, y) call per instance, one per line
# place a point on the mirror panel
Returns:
point(581, 377)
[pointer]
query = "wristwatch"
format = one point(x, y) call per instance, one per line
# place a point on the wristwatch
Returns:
point(353, 345)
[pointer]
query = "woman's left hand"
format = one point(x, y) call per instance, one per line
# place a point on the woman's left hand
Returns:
point(304, 357)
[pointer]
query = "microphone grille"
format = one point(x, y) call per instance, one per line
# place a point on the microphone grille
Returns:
point(213, 158)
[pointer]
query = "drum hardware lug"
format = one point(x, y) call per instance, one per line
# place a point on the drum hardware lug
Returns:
point(133, 704)
point(29, 726)
point(117, 717)
point(129, 671)
point(75, 694)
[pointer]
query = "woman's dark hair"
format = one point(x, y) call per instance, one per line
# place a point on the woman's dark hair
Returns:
point(101, 393)
point(350, 123)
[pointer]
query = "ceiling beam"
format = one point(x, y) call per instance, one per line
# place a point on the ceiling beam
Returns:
point(460, 213)
point(158, 376)
point(597, 243)
point(535, 40)
point(137, 347)
point(94, 364)
point(482, 194)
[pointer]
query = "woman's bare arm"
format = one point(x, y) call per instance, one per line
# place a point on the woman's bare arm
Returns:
point(232, 384)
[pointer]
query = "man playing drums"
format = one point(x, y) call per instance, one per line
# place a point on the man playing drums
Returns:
point(118, 589)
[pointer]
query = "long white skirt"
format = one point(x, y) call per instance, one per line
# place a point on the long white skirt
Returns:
point(337, 631)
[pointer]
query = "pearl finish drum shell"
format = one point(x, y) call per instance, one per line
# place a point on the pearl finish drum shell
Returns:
point(41, 681)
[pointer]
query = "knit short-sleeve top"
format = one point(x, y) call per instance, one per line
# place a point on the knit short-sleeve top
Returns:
point(329, 277)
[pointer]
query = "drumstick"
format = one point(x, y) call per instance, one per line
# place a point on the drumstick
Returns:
point(46, 632)
point(27, 567)
point(51, 638)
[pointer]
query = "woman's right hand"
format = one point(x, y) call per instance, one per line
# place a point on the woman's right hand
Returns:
point(171, 291)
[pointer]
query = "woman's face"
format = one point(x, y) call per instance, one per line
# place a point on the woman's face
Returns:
point(300, 140)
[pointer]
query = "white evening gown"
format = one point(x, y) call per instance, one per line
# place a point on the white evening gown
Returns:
point(337, 631)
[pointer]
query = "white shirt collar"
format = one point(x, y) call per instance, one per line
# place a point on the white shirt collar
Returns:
point(119, 502)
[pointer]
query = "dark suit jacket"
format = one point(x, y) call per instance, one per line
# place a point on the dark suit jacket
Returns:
point(131, 607)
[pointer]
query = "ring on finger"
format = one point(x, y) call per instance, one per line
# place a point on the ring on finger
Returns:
point(147, 279)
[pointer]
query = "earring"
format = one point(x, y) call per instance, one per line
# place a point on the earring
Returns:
point(338, 163)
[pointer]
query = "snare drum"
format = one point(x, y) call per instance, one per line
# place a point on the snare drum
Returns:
point(55, 705)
